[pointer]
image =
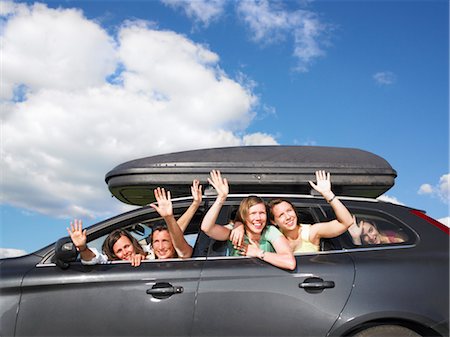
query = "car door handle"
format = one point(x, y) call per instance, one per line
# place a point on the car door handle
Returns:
point(164, 290)
point(316, 284)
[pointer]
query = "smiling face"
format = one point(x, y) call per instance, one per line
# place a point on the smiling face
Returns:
point(256, 218)
point(123, 248)
point(162, 244)
point(284, 216)
point(370, 234)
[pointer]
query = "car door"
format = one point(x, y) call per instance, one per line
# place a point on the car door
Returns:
point(249, 297)
point(157, 298)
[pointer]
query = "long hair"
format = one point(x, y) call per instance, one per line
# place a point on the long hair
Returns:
point(272, 203)
point(244, 206)
point(112, 239)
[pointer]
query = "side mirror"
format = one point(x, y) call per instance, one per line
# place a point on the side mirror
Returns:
point(65, 252)
point(138, 229)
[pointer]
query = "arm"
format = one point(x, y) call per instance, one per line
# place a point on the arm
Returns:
point(355, 231)
point(164, 208)
point(282, 258)
point(78, 236)
point(185, 219)
point(344, 220)
point(209, 225)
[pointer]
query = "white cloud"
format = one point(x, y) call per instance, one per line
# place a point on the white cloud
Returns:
point(48, 48)
point(168, 93)
point(270, 23)
point(259, 138)
point(425, 189)
point(444, 188)
point(445, 221)
point(390, 199)
point(10, 252)
point(385, 78)
point(440, 190)
point(203, 11)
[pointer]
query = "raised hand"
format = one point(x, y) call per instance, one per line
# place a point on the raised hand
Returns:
point(164, 207)
point(77, 234)
point(323, 184)
point(196, 190)
point(220, 184)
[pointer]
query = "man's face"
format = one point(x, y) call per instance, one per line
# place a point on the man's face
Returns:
point(162, 245)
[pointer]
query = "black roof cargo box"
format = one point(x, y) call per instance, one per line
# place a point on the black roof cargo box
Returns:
point(253, 169)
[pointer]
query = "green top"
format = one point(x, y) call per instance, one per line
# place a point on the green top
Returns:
point(268, 235)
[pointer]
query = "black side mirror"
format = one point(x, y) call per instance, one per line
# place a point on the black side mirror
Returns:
point(65, 252)
point(138, 229)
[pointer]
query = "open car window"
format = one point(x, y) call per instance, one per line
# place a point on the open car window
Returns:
point(139, 223)
point(307, 214)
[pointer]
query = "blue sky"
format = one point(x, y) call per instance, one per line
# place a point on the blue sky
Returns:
point(87, 85)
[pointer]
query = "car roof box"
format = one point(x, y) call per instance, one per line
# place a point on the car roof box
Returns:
point(253, 169)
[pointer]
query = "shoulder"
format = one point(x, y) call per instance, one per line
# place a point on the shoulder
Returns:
point(271, 233)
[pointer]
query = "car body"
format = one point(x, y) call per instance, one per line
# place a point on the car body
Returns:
point(342, 290)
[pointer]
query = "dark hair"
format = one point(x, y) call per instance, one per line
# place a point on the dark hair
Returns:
point(245, 205)
point(272, 203)
point(159, 226)
point(370, 223)
point(112, 239)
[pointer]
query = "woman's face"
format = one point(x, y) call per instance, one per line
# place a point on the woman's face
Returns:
point(284, 216)
point(256, 218)
point(370, 234)
point(123, 248)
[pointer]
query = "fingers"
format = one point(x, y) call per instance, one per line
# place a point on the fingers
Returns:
point(75, 226)
point(161, 194)
point(136, 260)
point(240, 240)
point(322, 175)
point(242, 250)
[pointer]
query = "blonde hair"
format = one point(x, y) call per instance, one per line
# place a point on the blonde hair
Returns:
point(245, 205)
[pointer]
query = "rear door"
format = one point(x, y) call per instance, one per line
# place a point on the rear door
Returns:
point(110, 300)
point(249, 297)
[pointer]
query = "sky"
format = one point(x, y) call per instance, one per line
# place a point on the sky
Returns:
point(87, 85)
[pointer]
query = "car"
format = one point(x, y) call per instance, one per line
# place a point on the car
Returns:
point(345, 289)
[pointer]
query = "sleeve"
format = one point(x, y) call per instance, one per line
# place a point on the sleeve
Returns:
point(150, 254)
point(272, 233)
point(98, 259)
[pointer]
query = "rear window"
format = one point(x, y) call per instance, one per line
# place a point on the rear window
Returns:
point(374, 229)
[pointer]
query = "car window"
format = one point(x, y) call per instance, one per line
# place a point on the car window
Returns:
point(373, 229)
point(376, 230)
point(307, 214)
point(142, 229)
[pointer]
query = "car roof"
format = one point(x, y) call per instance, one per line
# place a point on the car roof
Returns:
point(253, 169)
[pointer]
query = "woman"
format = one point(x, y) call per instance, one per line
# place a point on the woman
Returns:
point(119, 245)
point(366, 232)
point(262, 241)
point(306, 237)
